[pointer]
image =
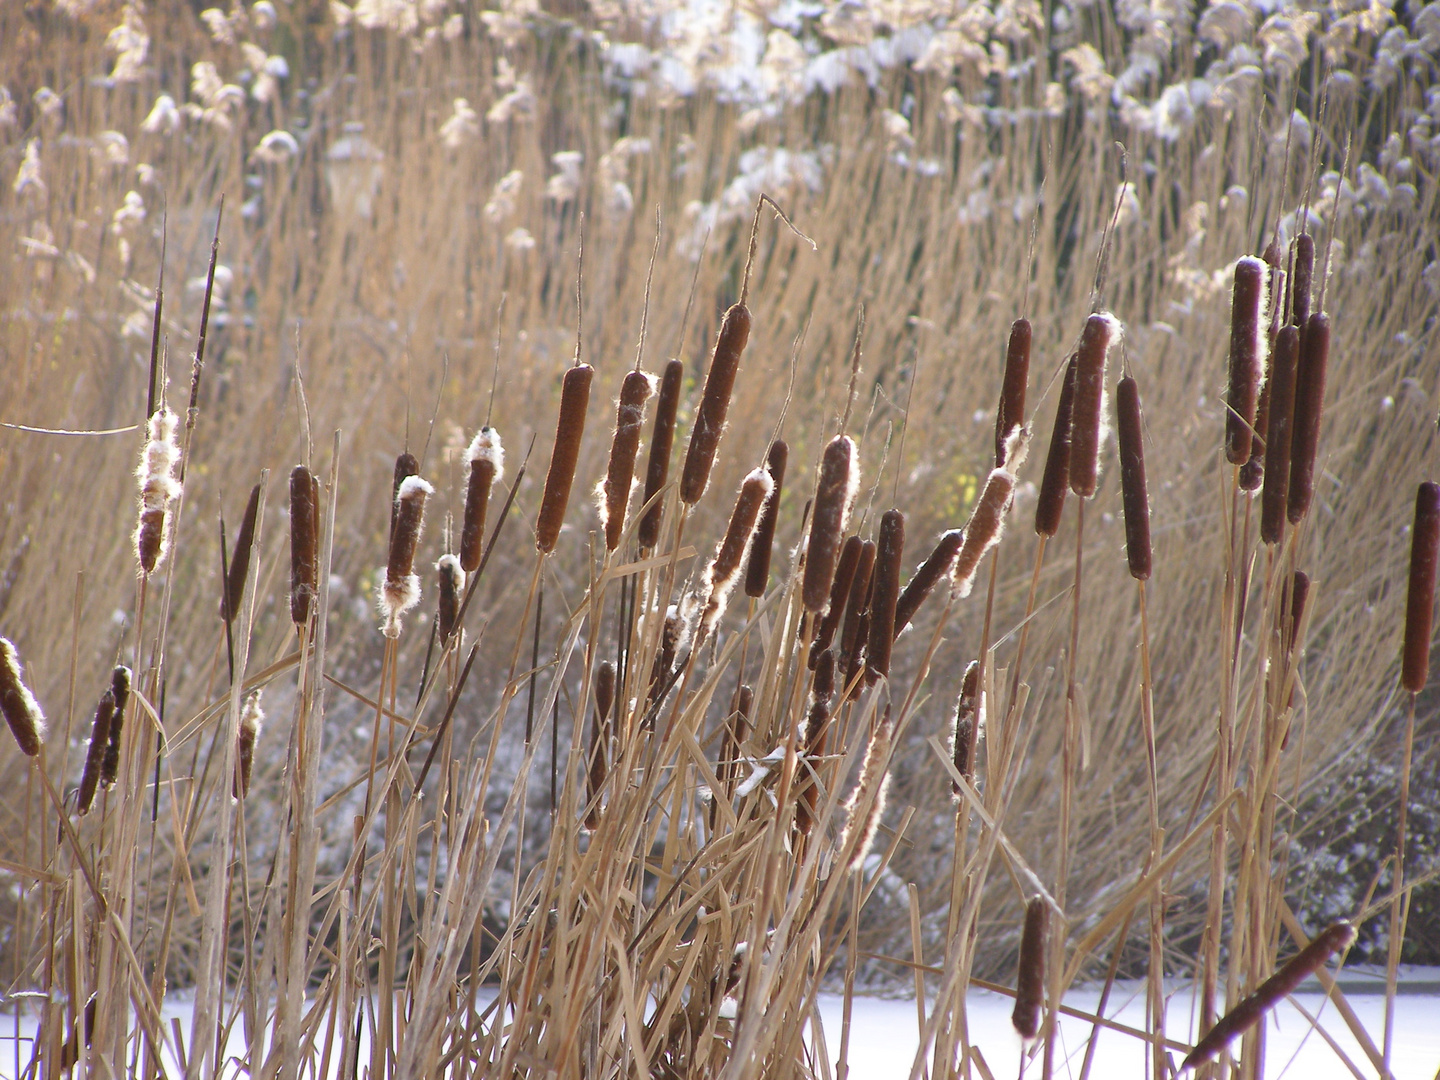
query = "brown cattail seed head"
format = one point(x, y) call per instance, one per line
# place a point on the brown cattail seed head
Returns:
point(884, 594)
point(661, 441)
point(486, 458)
point(834, 494)
point(1132, 479)
point(714, 403)
point(866, 804)
point(452, 591)
point(1011, 413)
point(724, 570)
point(120, 688)
point(574, 400)
point(857, 610)
point(757, 567)
point(95, 753)
point(1056, 479)
point(1309, 404)
point(1247, 341)
point(401, 588)
point(1101, 333)
point(987, 520)
point(406, 465)
point(1299, 595)
point(839, 592)
point(623, 448)
point(304, 561)
point(158, 488)
point(252, 719)
point(969, 724)
point(240, 558)
point(22, 711)
point(1303, 277)
point(1030, 981)
point(1252, 473)
point(1420, 599)
point(1277, 435)
point(936, 565)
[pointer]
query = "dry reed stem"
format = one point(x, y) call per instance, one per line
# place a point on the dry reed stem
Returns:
point(486, 458)
point(1102, 332)
point(839, 479)
point(662, 440)
point(866, 804)
point(1420, 594)
point(1310, 372)
point(1132, 478)
point(569, 430)
point(1055, 481)
point(757, 567)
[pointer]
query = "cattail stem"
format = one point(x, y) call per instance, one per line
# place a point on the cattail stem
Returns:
point(569, 429)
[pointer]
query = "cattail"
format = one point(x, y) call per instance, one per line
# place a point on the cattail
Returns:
point(1277, 437)
point(1303, 275)
point(969, 724)
point(1101, 333)
point(987, 520)
point(615, 488)
point(665, 656)
point(1299, 594)
point(936, 565)
point(1247, 358)
point(304, 517)
point(599, 740)
point(1132, 479)
point(22, 711)
point(834, 493)
point(252, 719)
point(1030, 979)
point(158, 488)
point(866, 804)
point(240, 559)
point(95, 753)
point(1309, 403)
point(452, 591)
point(1011, 412)
point(1271, 992)
point(406, 466)
point(856, 630)
point(757, 569)
point(884, 594)
point(401, 588)
point(724, 570)
point(714, 403)
point(1252, 473)
point(574, 399)
point(661, 441)
point(120, 687)
point(486, 458)
point(839, 591)
point(1420, 600)
point(1056, 479)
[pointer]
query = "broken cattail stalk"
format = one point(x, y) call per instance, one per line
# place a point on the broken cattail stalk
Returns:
point(304, 543)
point(936, 565)
point(1271, 992)
point(661, 440)
point(1302, 278)
point(724, 570)
point(1420, 599)
point(452, 591)
point(1030, 980)
point(1277, 435)
point(1056, 479)
point(884, 595)
point(757, 568)
point(857, 615)
point(158, 488)
point(629, 414)
point(969, 724)
point(1102, 331)
point(240, 559)
point(22, 711)
point(834, 494)
point(714, 402)
point(987, 520)
point(866, 804)
point(120, 688)
point(95, 753)
point(839, 593)
point(401, 589)
point(1134, 494)
point(252, 719)
point(1011, 412)
point(599, 742)
point(1309, 404)
point(574, 400)
point(1247, 358)
point(486, 458)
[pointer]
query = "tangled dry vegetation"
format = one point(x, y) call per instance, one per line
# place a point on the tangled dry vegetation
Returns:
point(619, 794)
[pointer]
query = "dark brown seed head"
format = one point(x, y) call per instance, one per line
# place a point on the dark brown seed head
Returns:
point(22, 711)
point(240, 558)
point(757, 568)
point(714, 403)
point(158, 487)
point(724, 570)
point(1030, 981)
point(252, 718)
point(451, 591)
point(95, 752)
point(570, 428)
point(1252, 473)
point(150, 538)
point(304, 560)
point(1132, 479)
point(1299, 594)
point(839, 592)
point(486, 458)
point(1246, 358)
point(884, 595)
point(987, 521)
point(623, 449)
point(1420, 599)
point(120, 687)
point(1101, 332)
point(856, 629)
point(1309, 404)
point(1011, 413)
point(406, 465)
point(834, 493)
point(936, 565)
point(1302, 277)
point(969, 722)
point(401, 589)
point(1277, 435)
point(1056, 479)
point(661, 441)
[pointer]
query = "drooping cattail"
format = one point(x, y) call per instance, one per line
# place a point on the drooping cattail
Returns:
point(252, 719)
point(757, 567)
point(856, 629)
point(1102, 332)
point(724, 570)
point(486, 458)
point(401, 589)
point(866, 804)
point(615, 489)
point(1247, 358)
point(1132, 478)
point(120, 688)
point(1056, 479)
point(22, 711)
point(987, 520)
point(834, 493)
point(884, 594)
point(1309, 404)
point(1277, 436)
point(1011, 412)
point(304, 543)
point(1030, 977)
point(95, 752)
point(406, 465)
point(662, 439)
point(936, 565)
point(969, 724)
point(158, 488)
point(574, 400)
point(714, 402)
point(839, 593)
point(599, 741)
point(1302, 278)
point(1420, 599)
point(452, 591)
point(1271, 992)
point(240, 559)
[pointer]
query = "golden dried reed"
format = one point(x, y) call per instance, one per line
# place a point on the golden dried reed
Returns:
point(866, 804)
